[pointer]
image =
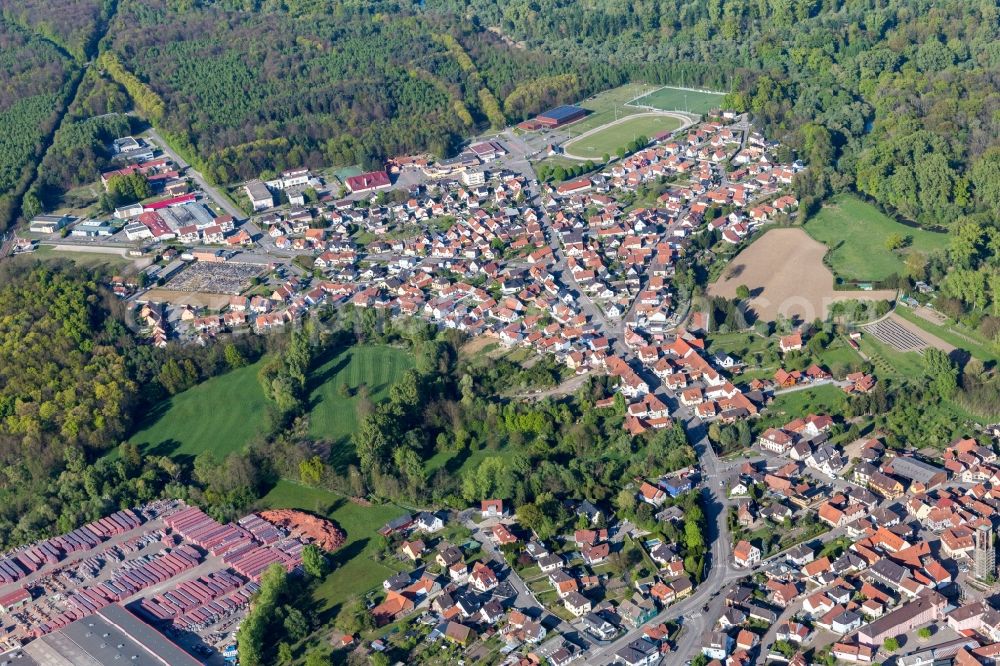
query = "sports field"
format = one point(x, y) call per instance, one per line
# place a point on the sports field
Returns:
point(606, 106)
point(680, 99)
point(856, 233)
point(609, 139)
point(220, 415)
point(332, 416)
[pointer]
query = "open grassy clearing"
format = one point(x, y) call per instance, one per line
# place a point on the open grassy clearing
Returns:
point(224, 413)
point(679, 99)
point(616, 136)
point(82, 259)
point(355, 573)
point(220, 415)
point(333, 416)
point(838, 353)
point(856, 233)
point(739, 344)
point(556, 161)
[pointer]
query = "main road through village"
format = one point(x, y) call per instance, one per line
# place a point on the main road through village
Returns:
point(719, 568)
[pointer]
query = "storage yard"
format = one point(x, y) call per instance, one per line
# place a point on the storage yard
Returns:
point(215, 278)
point(169, 564)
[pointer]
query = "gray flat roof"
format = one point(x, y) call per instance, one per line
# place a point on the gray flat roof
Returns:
point(913, 469)
point(112, 637)
point(258, 190)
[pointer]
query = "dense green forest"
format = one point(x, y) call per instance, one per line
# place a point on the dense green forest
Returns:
point(314, 83)
point(67, 23)
point(44, 46)
point(81, 148)
point(72, 379)
point(34, 81)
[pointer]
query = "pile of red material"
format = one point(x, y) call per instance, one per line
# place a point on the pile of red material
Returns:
point(306, 527)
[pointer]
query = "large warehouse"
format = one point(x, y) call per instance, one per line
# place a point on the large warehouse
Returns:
point(561, 115)
point(111, 637)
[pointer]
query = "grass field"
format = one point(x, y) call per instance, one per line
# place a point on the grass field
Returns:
point(605, 106)
point(678, 99)
point(740, 344)
point(224, 413)
point(355, 572)
point(614, 137)
point(554, 161)
point(825, 399)
point(85, 259)
point(334, 417)
point(838, 353)
point(856, 232)
point(220, 415)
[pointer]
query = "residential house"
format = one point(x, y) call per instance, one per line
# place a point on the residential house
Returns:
point(577, 604)
point(746, 554)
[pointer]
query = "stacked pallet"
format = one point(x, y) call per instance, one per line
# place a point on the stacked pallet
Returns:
point(203, 531)
point(262, 531)
point(216, 610)
point(57, 622)
point(190, 595)
point(115, 524)
point(254, 562)
point(27, 561)
point(141, 574)
point(78, 540)
point(11, 570)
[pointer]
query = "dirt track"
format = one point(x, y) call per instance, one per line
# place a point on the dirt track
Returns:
point(785, 273)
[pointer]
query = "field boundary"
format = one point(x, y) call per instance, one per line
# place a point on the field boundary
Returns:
point(787, 276)
point(685, 121)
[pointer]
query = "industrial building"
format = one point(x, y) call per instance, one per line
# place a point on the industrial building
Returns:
point(561, 115)
point(260, 197)
point(110, 637)
point(49, 224)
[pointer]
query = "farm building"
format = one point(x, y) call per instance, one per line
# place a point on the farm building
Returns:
point(561, 115)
